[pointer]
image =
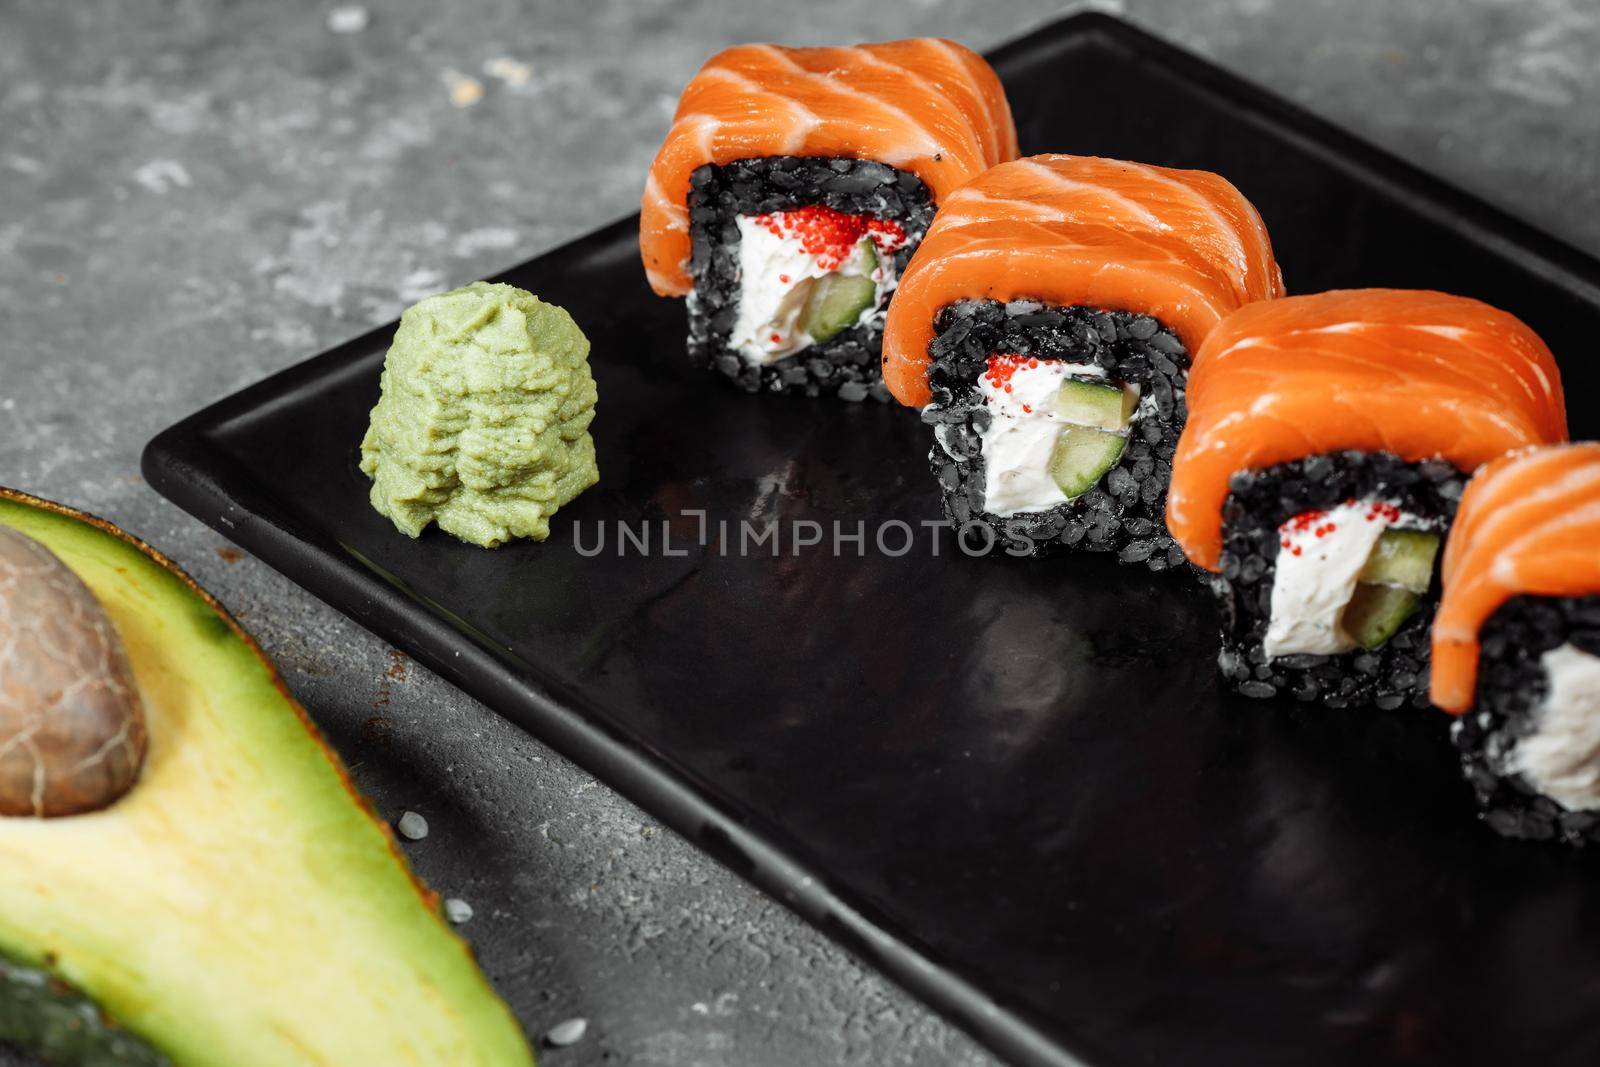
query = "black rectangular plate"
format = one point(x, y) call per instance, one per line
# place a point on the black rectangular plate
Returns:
point(1012, 785)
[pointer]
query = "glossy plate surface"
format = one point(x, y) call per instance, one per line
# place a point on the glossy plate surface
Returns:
point(1012, 785)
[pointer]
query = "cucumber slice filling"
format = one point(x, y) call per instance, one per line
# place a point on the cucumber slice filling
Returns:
point(1376, 613)
point(1102, 405)
point(1402, 558)
point(836, 301)
point(1082, 454)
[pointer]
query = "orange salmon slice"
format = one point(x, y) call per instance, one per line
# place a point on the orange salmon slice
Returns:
point(1529, 523)
point(1419, 374)
point(928, 106)
point(1182, 246)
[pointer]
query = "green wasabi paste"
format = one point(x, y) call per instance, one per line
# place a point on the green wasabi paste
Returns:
point(483, 421)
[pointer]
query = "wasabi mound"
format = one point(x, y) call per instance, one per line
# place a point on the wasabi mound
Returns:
point(483, 422)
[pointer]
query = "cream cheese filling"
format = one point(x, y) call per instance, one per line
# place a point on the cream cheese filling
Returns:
point(1561, 758)
point(1318, 564)
point(775, 277)
point(1022, 432)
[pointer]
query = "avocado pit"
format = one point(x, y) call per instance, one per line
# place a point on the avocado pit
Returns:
point(72, 726)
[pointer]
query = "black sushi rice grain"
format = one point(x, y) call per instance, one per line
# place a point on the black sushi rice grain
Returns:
point(850, 363)
point(1123, 514)
point(1258, 503)
point(1511, 684)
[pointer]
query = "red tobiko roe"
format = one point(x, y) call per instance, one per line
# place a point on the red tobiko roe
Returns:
point(1312, 522)
point(831, 235)
point(1002, 365)
point(1306, 522)
point(1379, 509)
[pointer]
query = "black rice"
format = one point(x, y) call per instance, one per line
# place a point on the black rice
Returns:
point(850, 363)
point(1125, 513)
point(1511, 685)
point(1257, 504)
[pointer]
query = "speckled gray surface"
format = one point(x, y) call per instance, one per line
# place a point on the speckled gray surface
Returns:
point(193, 195)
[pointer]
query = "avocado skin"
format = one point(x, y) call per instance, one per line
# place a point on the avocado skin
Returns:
point(49, 1017)
point(241, 905)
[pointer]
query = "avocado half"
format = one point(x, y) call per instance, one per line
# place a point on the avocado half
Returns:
point(240, 905)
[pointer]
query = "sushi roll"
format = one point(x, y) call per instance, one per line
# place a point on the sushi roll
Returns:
point(1516, 644)
point(792, 189)
point(1045, 328)
point(1329, 440)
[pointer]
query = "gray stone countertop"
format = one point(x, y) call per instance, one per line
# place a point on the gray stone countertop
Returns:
point(196, 194)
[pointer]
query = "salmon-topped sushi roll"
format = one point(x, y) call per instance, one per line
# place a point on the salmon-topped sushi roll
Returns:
point(1516, 643)
point(792, 189)
point(1329, 440)
point(1045, 328)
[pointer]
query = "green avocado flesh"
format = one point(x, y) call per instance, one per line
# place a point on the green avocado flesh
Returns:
point(483, 421)
point(1403, 558)
point(240, 906)
point(1098, 404)
point(1376, 613)
point(836, 300)
point(1081, 455)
